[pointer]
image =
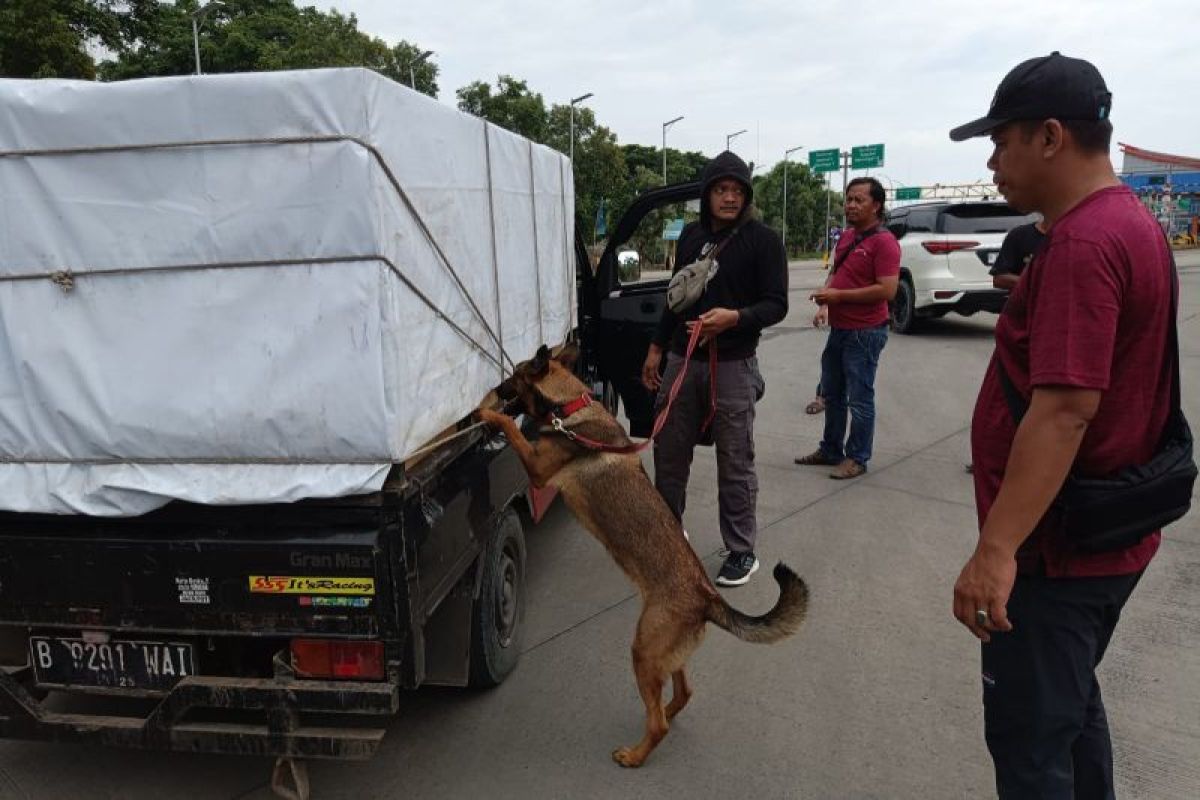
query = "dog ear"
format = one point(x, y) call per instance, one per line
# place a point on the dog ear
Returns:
point(539, 365)
point(506, 391)
point(568, 355)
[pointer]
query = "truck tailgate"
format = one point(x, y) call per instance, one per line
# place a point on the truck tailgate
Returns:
point(200, 572)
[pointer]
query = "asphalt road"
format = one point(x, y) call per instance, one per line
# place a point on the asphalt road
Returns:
point(877, 697)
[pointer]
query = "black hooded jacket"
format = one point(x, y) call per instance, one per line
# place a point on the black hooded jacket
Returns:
point(752, 277)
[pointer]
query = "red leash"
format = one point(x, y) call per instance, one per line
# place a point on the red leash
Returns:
point(661, 419)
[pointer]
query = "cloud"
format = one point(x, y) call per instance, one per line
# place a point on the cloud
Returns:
point(818, 74)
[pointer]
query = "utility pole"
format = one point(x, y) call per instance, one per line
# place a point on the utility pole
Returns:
point(730, 137)
point(845, 180)
point(412, 65)
point(828, 202)
point(574, 101)
point(666, 125)
point(197, 18)
point(786, 155)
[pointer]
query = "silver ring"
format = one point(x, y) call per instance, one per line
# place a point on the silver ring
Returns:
point(981, 617)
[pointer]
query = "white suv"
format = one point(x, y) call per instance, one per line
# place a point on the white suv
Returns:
point(946, 250)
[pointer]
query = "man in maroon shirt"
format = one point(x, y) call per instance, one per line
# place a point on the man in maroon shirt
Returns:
point(1084, 340)
point(866, 270)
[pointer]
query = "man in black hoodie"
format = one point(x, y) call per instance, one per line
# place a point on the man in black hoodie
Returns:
point(748, 292)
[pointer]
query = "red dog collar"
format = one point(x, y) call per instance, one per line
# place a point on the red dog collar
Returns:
point(578, 404)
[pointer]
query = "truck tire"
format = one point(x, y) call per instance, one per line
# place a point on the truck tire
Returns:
point(904, 311)
point(498, 615)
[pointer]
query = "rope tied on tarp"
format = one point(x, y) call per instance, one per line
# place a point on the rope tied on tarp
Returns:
point(290, 140)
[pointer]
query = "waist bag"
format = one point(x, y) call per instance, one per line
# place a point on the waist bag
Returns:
point(1116, 511)
point(688, 284)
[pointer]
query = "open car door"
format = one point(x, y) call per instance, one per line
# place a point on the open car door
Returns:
point(624, 303)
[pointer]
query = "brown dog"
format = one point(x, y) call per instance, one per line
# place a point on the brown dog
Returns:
point(613, 497)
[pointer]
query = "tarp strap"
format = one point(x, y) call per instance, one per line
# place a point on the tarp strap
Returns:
point(567, 245)
point(537, 255)
point(66, 279)
point(487, 155)
point(380, 460)
point(332, 138)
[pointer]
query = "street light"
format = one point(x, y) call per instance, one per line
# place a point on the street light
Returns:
point(575, 100)
point(412, 65)
point(666, 125)
point(197, 17)
point(733, 136)
point(786, 155)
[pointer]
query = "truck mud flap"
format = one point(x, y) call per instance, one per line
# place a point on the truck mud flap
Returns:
point(282, 734)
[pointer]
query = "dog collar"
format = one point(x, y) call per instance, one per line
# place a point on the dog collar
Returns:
point(578, 404)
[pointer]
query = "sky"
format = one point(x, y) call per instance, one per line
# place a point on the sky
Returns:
point(812, 74)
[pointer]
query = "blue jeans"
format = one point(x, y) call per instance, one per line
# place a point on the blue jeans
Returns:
point(848, 382)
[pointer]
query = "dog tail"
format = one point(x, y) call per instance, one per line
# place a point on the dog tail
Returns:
point(780, 622)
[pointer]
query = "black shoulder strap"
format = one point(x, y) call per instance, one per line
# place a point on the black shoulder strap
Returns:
point(837, 262)
point(1017, 405)
point(716, 251)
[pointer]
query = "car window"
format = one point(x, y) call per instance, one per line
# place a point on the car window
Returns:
point(649, 255)
point(896, 220)
point(982, 218)
point(922, 220)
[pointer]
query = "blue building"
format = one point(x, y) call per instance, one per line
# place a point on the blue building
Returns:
point(1169, 185)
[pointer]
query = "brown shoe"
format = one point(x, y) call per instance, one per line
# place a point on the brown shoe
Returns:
point(848, 469)
point(814, 459)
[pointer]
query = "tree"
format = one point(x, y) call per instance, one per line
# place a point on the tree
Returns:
point(601, 178)
point(681, 165)
point(49, 38)
point(806, 199)
point(252, 36)
point(511, 106)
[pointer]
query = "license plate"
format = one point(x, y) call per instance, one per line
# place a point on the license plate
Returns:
point(119, 664)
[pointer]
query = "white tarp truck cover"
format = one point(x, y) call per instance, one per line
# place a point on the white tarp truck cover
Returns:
point(255, 288)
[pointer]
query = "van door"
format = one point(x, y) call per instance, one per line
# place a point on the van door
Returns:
point(629, 293)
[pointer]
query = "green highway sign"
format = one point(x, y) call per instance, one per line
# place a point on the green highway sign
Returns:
point(824, 160)
point(866, 156)
point(908, 193)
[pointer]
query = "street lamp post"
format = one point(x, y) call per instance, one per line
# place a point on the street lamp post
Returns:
point(412, 67)
point(197, 17)
point(666, 125)
point(575, 100)
point(786, 155)
point(730, 137)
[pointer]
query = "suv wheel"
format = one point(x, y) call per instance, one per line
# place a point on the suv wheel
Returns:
point(499, 611)
point(903, 307)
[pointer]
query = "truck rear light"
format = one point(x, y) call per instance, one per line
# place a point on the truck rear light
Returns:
point(941, 248)
point(337, 659)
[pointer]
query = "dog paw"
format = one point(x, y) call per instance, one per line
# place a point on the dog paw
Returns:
point(487, 415)
point(626, 757)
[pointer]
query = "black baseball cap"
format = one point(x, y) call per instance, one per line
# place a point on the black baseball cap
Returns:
point(1047, 87)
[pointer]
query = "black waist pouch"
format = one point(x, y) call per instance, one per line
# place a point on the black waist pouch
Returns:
point(1113, 512)
point(1119, 510)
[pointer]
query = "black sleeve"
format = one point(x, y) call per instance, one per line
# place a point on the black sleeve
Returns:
point(666, 328)
point(771, 264)
point(1010, 260)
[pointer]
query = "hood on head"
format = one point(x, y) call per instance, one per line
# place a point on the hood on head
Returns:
point(726, 165)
